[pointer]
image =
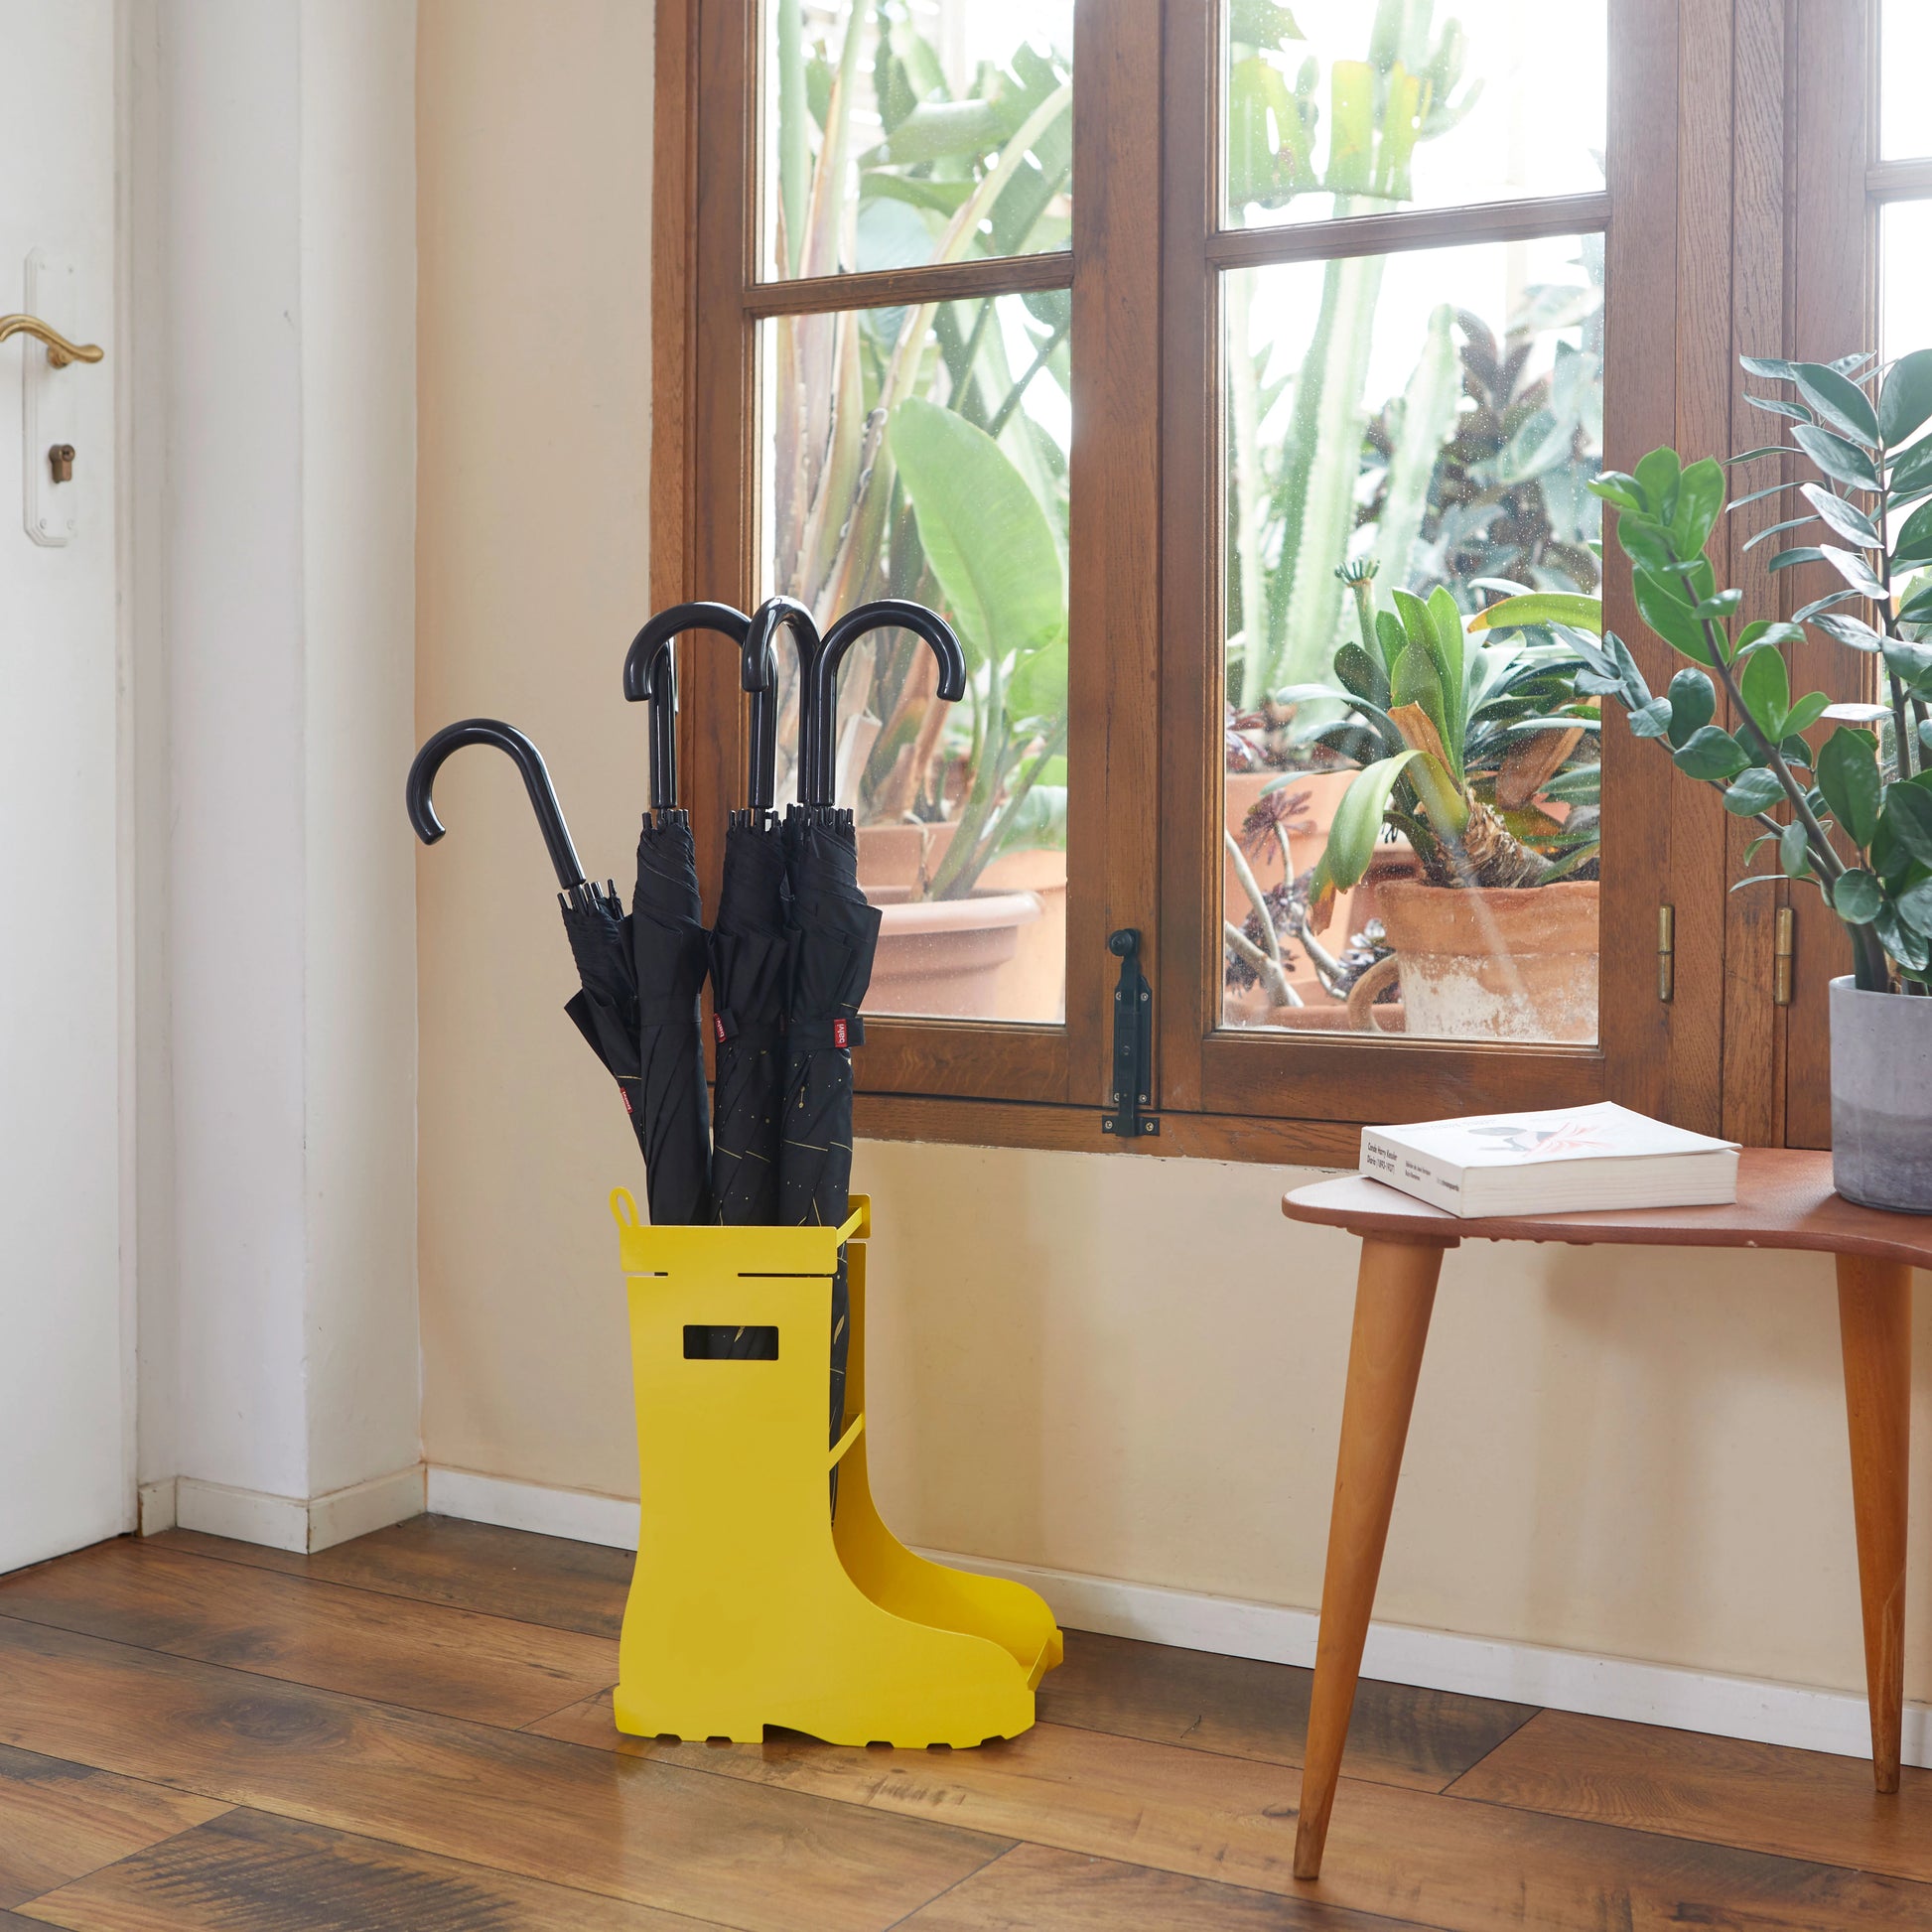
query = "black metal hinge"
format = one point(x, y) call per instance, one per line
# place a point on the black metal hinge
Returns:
point(1132, 1044)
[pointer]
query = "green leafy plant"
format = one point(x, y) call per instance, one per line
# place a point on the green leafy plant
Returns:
point(903, 463)
point(1852, 816)
point(1457, 740)
point(1379, 111)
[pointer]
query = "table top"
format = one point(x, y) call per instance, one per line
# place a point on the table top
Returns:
point(1784, 1200)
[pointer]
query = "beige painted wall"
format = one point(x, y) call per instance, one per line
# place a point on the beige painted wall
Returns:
point(1112, 1364)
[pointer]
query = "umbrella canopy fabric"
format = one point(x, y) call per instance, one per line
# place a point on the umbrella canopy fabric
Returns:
point(668, 963)
point(604, 1009)
point(751, 955)
point(834, 934)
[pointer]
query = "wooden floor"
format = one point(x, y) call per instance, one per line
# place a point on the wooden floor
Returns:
point(413, 1730)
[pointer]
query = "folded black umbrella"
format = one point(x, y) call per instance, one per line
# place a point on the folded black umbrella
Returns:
point(604, 1008)
point(750, 949)
point(667, 942)
point(834, 935)
point(669, 952)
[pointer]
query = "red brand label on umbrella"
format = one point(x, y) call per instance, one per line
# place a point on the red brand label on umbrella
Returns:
point(718, 1027)
point(841, 1033)
point(625, 1098)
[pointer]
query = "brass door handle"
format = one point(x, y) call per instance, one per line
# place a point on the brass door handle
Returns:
point(60, 352)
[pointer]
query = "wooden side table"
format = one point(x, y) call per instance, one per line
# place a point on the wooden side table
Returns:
point(1784, 1200)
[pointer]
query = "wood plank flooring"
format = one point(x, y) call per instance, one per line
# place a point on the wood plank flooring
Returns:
point(413, 1730)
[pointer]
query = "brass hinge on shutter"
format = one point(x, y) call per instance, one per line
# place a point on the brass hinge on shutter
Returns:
point(1781, 957)
point(1666, 951)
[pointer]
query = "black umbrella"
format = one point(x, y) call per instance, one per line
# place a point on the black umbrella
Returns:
point(834, 934)
point(667, 933)
point(605, 1009)
point(751, 947)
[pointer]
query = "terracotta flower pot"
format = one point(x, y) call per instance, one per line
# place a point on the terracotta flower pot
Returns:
point(945, 957)
point(1504, 963)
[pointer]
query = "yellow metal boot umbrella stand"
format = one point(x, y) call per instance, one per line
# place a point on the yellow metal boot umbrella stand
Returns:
point(751, 1606)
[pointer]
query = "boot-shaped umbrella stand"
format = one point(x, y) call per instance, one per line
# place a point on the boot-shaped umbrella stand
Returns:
point(749, 1607)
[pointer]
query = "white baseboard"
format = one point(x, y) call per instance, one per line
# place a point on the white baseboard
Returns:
point(580, 1514)
point(157, 1507)
point(1437, 1660)
point(290, 1521)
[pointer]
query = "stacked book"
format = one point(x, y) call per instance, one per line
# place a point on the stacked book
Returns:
point(1555, 1163)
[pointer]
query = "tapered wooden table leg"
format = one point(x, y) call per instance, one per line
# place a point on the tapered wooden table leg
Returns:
point(1874, 1318)
point(1394, 1294)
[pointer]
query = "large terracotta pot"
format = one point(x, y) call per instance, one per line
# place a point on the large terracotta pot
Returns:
point(1505, 963)
point(945, 957)
point(1016, 966)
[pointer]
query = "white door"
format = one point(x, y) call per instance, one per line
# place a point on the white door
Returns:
point(64, 1471)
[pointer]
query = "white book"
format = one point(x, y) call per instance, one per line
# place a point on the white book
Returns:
point(1554, 1163)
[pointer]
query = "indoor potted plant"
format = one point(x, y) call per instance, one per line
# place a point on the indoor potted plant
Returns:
point(1463, 746)
point(1851, 816)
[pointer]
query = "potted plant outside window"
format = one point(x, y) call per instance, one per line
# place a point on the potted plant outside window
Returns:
point(1482, 756)
point(906, 461)
point(1851, 816)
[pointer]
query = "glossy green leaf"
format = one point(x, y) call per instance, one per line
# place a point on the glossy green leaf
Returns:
point(1773, 367)
point(1848, 775)
point(1790, 559)
point(1803, 714)
point(1917, 609)
point(1669, 614)
point(1845, 518)
point(1854, 570)
point(1541, 607)
point(1720, 608)
point(1911, 665)
point(1836, 457)
point(1650, 720)
point(1756, 790)
point(1693, 703)
point(1914, 542)
point(1912, 471)
point(1445, 624)
point(1853, 633)
point(1615, 488)
point(1908, 818)
point(1416, 680)
point(1857, 897)
point(1915, 906)
point(1762, 630)
point(1657, 476)
point(984, 532)
point(1700, 499)
point(1778, 530)
point(1766, 690)
point(1906, 400)
point(1794, 855)
point(1357, 826)
point(1711, 753)
point(1837, 400)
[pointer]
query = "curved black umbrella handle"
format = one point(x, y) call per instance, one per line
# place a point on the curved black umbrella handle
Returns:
point(537, 782)
point(760, 676)
point(650, 671)
point(888, 614)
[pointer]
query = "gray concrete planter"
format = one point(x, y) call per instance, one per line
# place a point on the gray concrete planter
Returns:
point(1882, 1098)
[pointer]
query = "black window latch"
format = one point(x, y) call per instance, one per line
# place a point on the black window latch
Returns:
point(1132, 1044)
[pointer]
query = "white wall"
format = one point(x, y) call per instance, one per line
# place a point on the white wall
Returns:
point(286, 313)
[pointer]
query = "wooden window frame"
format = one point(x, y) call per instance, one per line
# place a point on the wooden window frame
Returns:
point(1718, 183)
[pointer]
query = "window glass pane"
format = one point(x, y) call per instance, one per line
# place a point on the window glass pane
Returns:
point(913, 131)
point(1422, 423)
point(1338, 108)
point(921, 452)
point(1906, 49)
point(1905, 278)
